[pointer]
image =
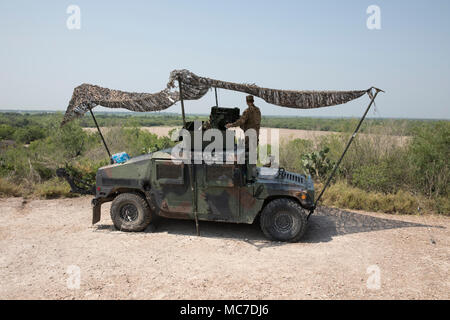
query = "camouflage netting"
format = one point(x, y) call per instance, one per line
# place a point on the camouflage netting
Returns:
point(87, 96)
point(194, 87)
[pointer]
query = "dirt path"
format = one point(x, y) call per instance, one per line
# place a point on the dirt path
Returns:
point(40, 239)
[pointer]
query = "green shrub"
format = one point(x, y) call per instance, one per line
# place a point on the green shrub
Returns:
point(85, 169)
point(291, 154)
point(30, 133)
point(6, 131)
point(387, 175)
point(429, 157)
point(71, 140)
point(373, 177)
point(317, 164)
point(44, 172)
point(141, 141)
point(441, 205)
point(15, 162)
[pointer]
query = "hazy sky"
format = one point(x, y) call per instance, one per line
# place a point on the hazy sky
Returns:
point(300, 45)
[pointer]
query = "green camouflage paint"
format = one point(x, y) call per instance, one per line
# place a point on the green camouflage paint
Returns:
point(221, 190)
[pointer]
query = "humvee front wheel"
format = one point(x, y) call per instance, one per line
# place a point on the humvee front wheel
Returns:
point(283, 220)
point(130, 212)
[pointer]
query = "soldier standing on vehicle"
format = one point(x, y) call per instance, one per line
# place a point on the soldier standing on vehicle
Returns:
point(250, 119)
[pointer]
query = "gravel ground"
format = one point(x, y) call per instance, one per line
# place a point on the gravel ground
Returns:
point(343, 255)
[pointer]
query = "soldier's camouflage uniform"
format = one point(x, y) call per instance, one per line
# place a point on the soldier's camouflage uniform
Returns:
point(250, 119)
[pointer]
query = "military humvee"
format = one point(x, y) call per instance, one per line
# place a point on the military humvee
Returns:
point(152, 185)
point(155, 185)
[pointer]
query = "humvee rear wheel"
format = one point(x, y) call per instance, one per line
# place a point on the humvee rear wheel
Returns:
point(283, 220)
point(130, 212)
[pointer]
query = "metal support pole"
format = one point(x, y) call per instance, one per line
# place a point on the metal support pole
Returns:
point(101, 135)
point(217, 101)
point(192, 174)
point(346, 148)
point(182, 102)
point(191, 165)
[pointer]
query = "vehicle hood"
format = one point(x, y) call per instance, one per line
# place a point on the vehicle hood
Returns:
point(274, 175)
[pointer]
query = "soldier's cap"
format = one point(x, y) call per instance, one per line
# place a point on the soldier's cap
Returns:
point(250, 98)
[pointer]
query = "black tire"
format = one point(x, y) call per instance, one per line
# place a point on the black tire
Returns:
point(130, 212)
point(283, 220)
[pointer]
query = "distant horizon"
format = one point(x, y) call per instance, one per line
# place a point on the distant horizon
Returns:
point(140, 114)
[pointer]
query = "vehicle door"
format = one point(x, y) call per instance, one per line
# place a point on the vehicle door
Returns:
point(171, 188)
point(218, 192)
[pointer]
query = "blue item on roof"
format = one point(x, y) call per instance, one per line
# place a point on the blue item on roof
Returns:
point(120, 157)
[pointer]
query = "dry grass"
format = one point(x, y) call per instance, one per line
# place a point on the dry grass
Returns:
point(9, 189)
point(341, 195)
point(52, 189)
